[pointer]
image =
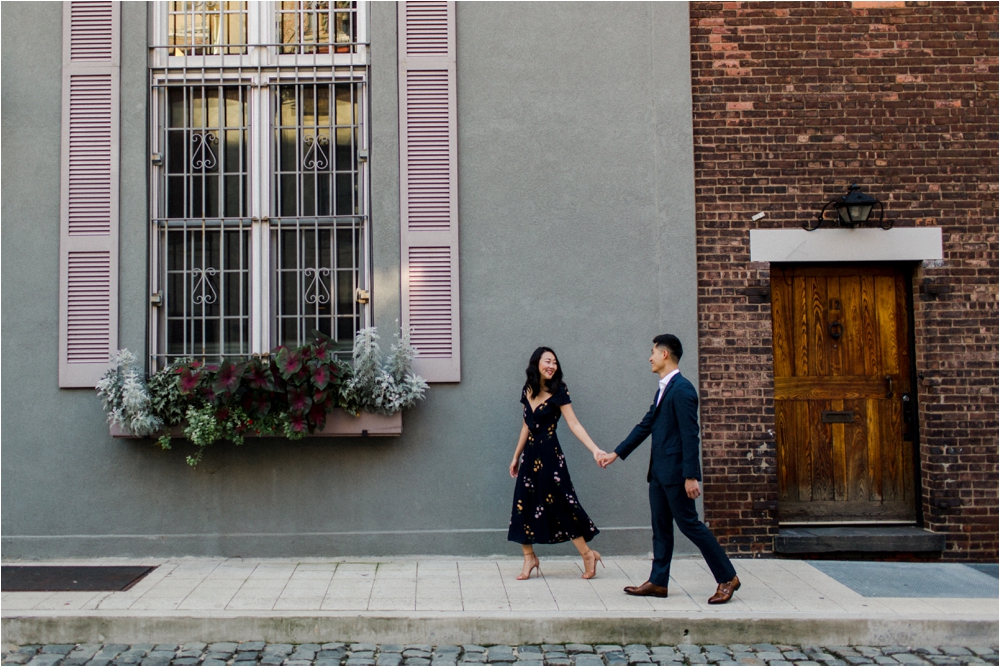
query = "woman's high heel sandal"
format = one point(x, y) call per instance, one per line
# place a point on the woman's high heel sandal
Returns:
point(590, 561)
point(534, 566)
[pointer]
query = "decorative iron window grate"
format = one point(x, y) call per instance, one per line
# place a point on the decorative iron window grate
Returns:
point(259, 178)
point(316, 149)
point(316, 277)
point(206, 288)
point(205, 166)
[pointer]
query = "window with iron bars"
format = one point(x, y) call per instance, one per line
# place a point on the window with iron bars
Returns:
point(259, 180)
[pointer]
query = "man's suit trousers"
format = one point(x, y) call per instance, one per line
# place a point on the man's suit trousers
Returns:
point(670, 503)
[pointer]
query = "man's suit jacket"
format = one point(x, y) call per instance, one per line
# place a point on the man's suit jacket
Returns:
point(674, 427)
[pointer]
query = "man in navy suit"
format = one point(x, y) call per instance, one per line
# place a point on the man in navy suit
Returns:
point(674, 473)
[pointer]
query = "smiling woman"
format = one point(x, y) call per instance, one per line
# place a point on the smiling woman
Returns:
point(546, 509)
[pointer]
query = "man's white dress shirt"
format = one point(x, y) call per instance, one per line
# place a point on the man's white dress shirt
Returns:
point(664, 381)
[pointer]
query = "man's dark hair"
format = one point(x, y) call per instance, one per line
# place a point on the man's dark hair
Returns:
point(671, 344)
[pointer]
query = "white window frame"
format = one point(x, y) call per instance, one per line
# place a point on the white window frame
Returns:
point(259, 70)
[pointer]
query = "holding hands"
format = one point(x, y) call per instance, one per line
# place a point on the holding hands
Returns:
point(604, 459)
point(607, 459)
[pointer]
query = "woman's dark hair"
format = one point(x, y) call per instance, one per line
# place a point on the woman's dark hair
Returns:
point(534, 382)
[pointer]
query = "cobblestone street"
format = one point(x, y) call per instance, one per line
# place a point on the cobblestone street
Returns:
point(335, 653)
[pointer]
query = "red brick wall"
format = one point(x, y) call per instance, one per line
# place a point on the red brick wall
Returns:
point(792, 102)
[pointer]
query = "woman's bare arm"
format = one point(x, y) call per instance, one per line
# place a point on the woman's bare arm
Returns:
point(581, 433)
point(521, 441)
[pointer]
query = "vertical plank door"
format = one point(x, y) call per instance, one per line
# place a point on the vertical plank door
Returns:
point(841, 381)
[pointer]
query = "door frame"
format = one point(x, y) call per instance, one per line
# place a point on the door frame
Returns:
point(910, 269)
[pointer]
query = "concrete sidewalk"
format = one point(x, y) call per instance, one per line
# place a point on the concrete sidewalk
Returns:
point(438, 600)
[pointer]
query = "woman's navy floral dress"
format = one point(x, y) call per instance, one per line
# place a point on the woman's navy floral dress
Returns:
point(546, 509)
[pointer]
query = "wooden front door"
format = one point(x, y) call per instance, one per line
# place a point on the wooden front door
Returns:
point(842, 394)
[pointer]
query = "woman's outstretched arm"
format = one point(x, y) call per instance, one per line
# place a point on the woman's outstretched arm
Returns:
point(580, 432)
point(521, 440)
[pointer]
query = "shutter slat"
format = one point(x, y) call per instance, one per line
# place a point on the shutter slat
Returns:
point(90, 139)
point(91, 31)
point(428, 155)
point(88, 307)
point(430, 303)
point(88, 272)
point(426, 25)
point(428, 187)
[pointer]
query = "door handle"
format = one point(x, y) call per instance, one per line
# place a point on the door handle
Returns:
point(888, 391)
point(908, 425)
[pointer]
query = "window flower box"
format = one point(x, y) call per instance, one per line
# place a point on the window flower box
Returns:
point(305, 391)
point(339, 424)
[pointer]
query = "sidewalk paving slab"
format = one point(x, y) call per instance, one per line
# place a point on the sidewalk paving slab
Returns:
point(465, 601)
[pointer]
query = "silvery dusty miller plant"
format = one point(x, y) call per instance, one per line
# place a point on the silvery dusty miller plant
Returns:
point(126, 397)
point(381, 389)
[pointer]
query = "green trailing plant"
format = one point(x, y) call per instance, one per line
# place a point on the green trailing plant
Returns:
point(289, 392)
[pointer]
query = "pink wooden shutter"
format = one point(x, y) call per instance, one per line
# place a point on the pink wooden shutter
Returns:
point(429, 186)
point(88, 241)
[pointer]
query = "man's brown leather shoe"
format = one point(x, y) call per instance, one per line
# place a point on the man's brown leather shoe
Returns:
point(647, 589)
point(724, 593)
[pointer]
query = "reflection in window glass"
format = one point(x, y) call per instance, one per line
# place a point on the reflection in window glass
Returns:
point(207, 28)
point(316, 27)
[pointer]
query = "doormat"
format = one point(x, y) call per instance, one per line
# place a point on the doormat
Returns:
point(71, 577)
point(910, 580)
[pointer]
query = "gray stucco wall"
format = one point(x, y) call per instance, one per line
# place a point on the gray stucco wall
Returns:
point(577, 232)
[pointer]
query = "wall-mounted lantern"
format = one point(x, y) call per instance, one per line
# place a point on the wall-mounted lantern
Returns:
point(853, 209)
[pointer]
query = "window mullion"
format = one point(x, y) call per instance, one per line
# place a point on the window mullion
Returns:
point(158, 311)
point(364, 274)
point(261, 22)
point(256, 11)
point(363, 14)
point(260, 190)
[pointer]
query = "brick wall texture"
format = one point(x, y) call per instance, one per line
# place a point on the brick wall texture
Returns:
point(794, 101)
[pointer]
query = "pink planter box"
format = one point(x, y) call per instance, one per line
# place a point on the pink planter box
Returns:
point(338, 424)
